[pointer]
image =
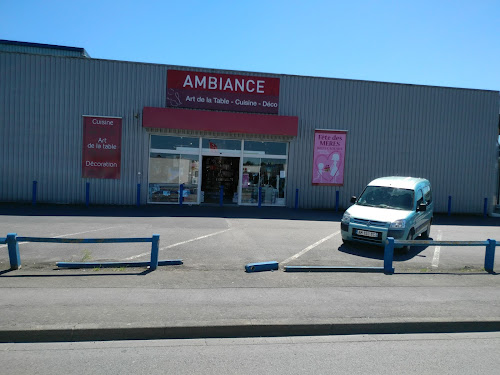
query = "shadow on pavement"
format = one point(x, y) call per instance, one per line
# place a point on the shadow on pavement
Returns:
point(11, 273)
point(447, 273)
point(228, 211)
point(466, 220)
point(377, 252)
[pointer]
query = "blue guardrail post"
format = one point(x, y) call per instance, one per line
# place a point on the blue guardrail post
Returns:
point(221, 196)
point(87, 194)
point(13, 247)
point(449, 205)
point(489, 258)
point(260, 197)
point(155, 248)
point(33, 200)
point(181, 194)
point(388, 256)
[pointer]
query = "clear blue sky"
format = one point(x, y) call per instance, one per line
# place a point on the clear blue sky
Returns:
point(432, 42)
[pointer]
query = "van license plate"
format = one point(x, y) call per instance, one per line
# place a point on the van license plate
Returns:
point(366, 233)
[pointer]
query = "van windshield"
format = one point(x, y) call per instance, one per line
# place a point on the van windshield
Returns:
point(387, 197)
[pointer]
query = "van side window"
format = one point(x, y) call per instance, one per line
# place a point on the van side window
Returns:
point(420, 197)
point(427, 194)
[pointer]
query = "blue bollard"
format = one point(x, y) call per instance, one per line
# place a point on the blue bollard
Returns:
point(296, 198)
point(485, 210)
point(33, 197)
point(221, 196)
point(181, 194)
point(260, 196)
point(87, 194)
point(449, 205)
point(489, 258)
point(155, 248)
point(389, 256)
point(13, 247)
point(337, 193)
point(138, 195)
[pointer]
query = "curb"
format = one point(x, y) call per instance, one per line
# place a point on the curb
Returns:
point(234, 331)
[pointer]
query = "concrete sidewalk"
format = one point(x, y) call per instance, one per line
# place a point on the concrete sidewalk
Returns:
point(172, 302)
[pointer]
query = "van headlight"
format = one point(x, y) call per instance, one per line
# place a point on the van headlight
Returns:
point(398, 224)
point(346, 219)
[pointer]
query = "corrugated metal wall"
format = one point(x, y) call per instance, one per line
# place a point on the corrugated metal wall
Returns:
point(443, 134)
point(42, 100)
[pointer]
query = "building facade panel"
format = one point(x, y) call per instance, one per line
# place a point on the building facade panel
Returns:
point(44, 99)
point(394, 129)
point(446, 135)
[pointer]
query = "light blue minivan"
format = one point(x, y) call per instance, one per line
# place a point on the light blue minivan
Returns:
point(399, 207)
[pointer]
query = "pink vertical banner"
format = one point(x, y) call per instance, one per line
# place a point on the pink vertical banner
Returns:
point(328, 157)
point(101, 154)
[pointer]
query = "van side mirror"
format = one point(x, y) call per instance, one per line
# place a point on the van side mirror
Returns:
point(422, 207)
point(353, 199)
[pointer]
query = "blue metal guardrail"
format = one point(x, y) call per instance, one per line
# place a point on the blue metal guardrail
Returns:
point(489, 258)
point(12, 241)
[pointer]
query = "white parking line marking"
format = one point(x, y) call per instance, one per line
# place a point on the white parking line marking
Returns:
point(309, 248)
point(437, 251)
point(87, 231)
point(66, 235)
point(179, 243)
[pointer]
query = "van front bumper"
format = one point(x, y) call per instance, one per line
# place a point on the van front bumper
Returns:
point(369, 233)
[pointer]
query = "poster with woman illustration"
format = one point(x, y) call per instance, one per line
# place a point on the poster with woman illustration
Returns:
point(328, 157)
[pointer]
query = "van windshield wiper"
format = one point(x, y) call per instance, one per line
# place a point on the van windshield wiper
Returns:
point(381, 206)
point(368, 205)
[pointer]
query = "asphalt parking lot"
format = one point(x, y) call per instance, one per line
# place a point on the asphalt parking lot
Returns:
point(227, 238)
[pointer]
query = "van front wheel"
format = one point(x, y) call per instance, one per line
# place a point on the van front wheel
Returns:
point(406, 249)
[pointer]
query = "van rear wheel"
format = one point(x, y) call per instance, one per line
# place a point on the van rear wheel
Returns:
point(427, 232)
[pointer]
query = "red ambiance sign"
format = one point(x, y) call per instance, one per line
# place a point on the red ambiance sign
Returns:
point(102, 140)
point(222, 92)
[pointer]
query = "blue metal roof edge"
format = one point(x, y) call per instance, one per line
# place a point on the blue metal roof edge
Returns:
point(41, 45)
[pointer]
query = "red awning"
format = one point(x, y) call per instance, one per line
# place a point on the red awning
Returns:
point(225, 122)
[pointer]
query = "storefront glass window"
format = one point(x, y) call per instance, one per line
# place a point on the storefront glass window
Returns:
point(181, 144)
point(173, 161)
point(163, 177)
point(221, 145)
point(266, 148)
point(189, 169)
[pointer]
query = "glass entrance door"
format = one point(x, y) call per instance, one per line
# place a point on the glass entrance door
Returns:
point(220, 172)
